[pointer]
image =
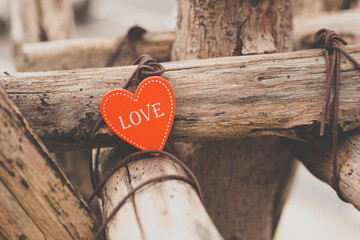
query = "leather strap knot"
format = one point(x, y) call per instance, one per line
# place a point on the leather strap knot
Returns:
point(328, 39)
point(333, 43)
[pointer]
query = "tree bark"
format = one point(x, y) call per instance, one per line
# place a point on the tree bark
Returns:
point(41, 20)
point(260, 95)
point(170, 209)
point(316, 6)
point(242, 179)
point(37, 200)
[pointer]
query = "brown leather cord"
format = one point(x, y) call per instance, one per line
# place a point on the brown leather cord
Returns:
point(147, 66)
point(133, 157)
point(332, 43)
point(134, 34)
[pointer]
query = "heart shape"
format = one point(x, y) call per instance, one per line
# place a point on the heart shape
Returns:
point(143, 119)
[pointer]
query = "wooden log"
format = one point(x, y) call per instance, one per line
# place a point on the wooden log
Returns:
point(317, 157)
point(223, 98)
point(37, 200)
point(316, 6)
point(93, 52)
point(89, 53)
point(41, 20)
point(342, 22)
point(251, 171)
point(169, 209)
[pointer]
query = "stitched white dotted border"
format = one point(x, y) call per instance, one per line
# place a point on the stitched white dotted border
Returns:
point(145, 83)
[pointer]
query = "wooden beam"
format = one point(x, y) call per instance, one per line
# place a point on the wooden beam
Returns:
point(317, 157)
point(342, 22)
point(37, 201)
point(220, 98)
point(169, 209)
point(41, 20)
point(93, 52)
point(89, 52)
point(317, 6)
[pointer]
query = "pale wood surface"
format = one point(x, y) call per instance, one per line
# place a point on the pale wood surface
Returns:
point(89, 52)
point(343, 23)
point(219, 98)
point(37, 200)
point(243, 179)
point(41, 20)
point(165, 210)
point(316, 6)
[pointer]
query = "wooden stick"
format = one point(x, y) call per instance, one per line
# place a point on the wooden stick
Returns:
point(317, 6)
point(37, 201)
point(41, 20)
point(342, 22)
point(318, 159)
point(89, 53)
point(169, 209)
point(220, 98)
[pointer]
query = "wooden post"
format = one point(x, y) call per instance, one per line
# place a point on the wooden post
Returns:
point(243, 179)
point(169, 209)
point(62, 107)
point(41, 20)
point(37, 200)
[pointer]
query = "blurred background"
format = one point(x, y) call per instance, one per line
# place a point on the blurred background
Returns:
point(313, 210)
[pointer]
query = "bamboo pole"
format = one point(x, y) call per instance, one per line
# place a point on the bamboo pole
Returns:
point(169, 209)
point(93, 52)
point(278, 94)
point(37, 200)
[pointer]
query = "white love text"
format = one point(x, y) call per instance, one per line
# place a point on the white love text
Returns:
point(136, 117)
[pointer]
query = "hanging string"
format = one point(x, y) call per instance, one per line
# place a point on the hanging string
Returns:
point(192, 181)
point(147, 66)
point(329, 40)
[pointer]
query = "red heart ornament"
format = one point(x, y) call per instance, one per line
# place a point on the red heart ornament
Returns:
point(143, 119)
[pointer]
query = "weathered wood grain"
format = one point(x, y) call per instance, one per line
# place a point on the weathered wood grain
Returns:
point(40, 20)
point(219, 98)
point(243, 179)
point(342, 22)
point(317, 157)
point(165, 210)
point(37, 201)
point(89, 52)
